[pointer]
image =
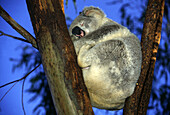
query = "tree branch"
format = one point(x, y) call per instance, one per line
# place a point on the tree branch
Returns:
point(22, 99)
point(17, 38)
point(7, 91)
point(137, 104)
point(20, 78)
point(63, 74)
point(17, 27)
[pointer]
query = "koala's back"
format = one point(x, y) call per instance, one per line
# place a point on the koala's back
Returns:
point(113, 73)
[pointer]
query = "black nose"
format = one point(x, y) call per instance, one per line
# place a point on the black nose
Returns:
point(76, 30)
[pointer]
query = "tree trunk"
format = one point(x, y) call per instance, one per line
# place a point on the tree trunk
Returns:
point(64, 76)
point(137, 103)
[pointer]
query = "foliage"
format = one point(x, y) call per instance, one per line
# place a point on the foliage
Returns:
point(39, 86)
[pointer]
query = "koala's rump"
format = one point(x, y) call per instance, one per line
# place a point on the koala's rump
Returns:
point(104, 77)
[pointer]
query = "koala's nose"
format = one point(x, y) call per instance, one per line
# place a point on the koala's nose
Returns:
point(76, 30)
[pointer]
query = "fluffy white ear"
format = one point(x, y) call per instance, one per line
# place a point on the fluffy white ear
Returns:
point(93, 11)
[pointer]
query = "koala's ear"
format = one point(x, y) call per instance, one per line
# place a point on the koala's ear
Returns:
point(93, 11)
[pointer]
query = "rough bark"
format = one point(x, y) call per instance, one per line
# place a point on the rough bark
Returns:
point(137, 103)
point(64, 76)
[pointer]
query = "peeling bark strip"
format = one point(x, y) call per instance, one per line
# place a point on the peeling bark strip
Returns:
point(62, 5)
point(137, 104)
point(64, 76)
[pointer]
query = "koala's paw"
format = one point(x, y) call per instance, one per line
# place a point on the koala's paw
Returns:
point(83, 56)
point(86, 47)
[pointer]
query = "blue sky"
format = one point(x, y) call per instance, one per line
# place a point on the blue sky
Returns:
point(10, 48)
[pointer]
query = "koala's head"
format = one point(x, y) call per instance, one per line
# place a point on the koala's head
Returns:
point(90, 19)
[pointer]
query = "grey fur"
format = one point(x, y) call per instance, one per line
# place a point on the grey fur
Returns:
point(110, 57)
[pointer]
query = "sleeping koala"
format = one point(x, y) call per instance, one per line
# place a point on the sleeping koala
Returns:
point(110, 57)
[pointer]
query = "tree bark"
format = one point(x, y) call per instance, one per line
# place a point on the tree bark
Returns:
point(137, 103)
point(64, 76)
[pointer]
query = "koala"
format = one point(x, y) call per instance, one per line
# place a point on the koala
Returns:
point(109, 55)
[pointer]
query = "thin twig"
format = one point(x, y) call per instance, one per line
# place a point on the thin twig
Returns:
point(23, 96)
point(18, 27)
point(17, 38)
point(20, 78)
point(7, 92)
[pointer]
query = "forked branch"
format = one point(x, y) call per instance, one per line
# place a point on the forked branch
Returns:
point(18, 27)
point(7, 91)
point(21, 78)
point(17, 38)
